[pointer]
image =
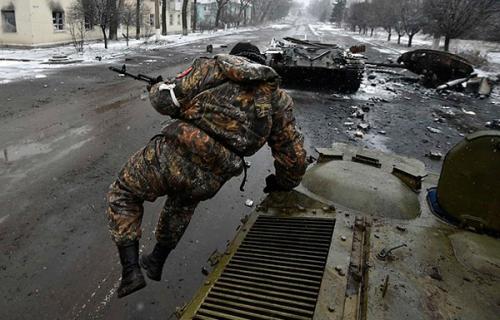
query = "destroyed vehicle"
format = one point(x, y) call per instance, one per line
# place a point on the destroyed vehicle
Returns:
point(313, 65)
point(436, 67)
point(368, 235)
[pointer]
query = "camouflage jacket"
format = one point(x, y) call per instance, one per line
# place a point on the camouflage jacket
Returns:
point(239, 104)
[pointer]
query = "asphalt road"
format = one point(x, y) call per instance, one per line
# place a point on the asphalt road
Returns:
point(63, 138)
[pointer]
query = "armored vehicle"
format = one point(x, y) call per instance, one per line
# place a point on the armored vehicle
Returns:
point(369, 235)
point(437, 67)
point(315, 65)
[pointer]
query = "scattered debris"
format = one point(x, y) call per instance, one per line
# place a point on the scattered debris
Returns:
point(204, 270)
point(249, 203)
point(214, 258)
point(494, 124)
point(382, 132)
point(472, 113)
point(358, 49)
point(401, 228)
point(436, 274)
point(481, 86)
point(343, 238)
point(433, 130)
point(385, 286)
point(435, 155)
point(385, 253)
point(348, 124)
point(358, 134)
point(210, 48)
point(301, 208)
point(340, 271)
point(359, 114)
point(372, 76)
point(364, 126)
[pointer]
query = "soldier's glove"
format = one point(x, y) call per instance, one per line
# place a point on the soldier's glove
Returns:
point(272, 185)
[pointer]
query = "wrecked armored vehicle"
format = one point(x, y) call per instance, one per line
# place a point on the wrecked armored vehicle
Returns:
point(368, 235)
point(437, 67)
point(314, 65)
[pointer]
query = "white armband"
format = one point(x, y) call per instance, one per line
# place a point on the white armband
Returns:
point(170, 87)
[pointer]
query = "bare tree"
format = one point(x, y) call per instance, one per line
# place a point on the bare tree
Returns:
point(194, 18)
point(115, 7)
point(77, 27)
point(412, 18)
point(261, 9)
point(242, 9)
point(338, 12)
point(400, 30)
point(127, 19)
point(454, 18)
point(320, 9)
point(221, 4)
point(99, 12)
point(281, 8)
point(164, 17)
point(386, 13)
point(138, 19)
point(358, 16)
point(184, 17)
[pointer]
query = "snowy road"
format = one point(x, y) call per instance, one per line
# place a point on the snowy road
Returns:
point(63, 137)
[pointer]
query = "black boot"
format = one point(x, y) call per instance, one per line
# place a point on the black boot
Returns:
point(132, 278)
point(153, 263)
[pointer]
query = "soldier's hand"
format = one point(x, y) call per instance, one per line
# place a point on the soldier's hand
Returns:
point(272, 185)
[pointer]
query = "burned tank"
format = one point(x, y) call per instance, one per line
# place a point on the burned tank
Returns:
point(437, 67)
point(316, 66)
point(368, 235)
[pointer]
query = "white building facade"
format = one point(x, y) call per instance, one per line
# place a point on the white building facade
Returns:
point(30, 23)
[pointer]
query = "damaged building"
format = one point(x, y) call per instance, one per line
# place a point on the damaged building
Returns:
point(31, 23)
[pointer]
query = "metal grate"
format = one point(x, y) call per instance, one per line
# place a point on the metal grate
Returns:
point(275, 273)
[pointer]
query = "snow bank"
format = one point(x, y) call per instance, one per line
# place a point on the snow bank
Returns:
point(32, 64)
point(280, 26)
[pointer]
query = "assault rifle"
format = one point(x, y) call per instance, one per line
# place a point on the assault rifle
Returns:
point(140, 77)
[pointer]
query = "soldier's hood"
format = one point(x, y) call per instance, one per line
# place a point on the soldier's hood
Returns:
point(241, 69)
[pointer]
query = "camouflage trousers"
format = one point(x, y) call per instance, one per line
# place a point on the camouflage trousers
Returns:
point(162, 168)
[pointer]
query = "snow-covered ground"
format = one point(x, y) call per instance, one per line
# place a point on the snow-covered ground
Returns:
point(18, 64)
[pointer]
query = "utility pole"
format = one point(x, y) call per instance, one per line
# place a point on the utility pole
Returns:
point(157, 20)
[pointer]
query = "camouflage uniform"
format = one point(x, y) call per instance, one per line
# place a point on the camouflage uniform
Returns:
point(229, 108)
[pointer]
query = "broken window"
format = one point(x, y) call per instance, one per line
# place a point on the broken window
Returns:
point(179, 19)
point(58, 20)
point(171, 19)
point(9, 21)
point(152, 19)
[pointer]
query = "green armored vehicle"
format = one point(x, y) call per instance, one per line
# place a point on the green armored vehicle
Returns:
point(315, 65)
point(369, 235)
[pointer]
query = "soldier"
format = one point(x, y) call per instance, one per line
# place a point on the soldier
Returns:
point(227, 108)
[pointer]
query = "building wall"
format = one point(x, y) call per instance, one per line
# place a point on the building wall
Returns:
point(34, 22)
point(23, 34)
